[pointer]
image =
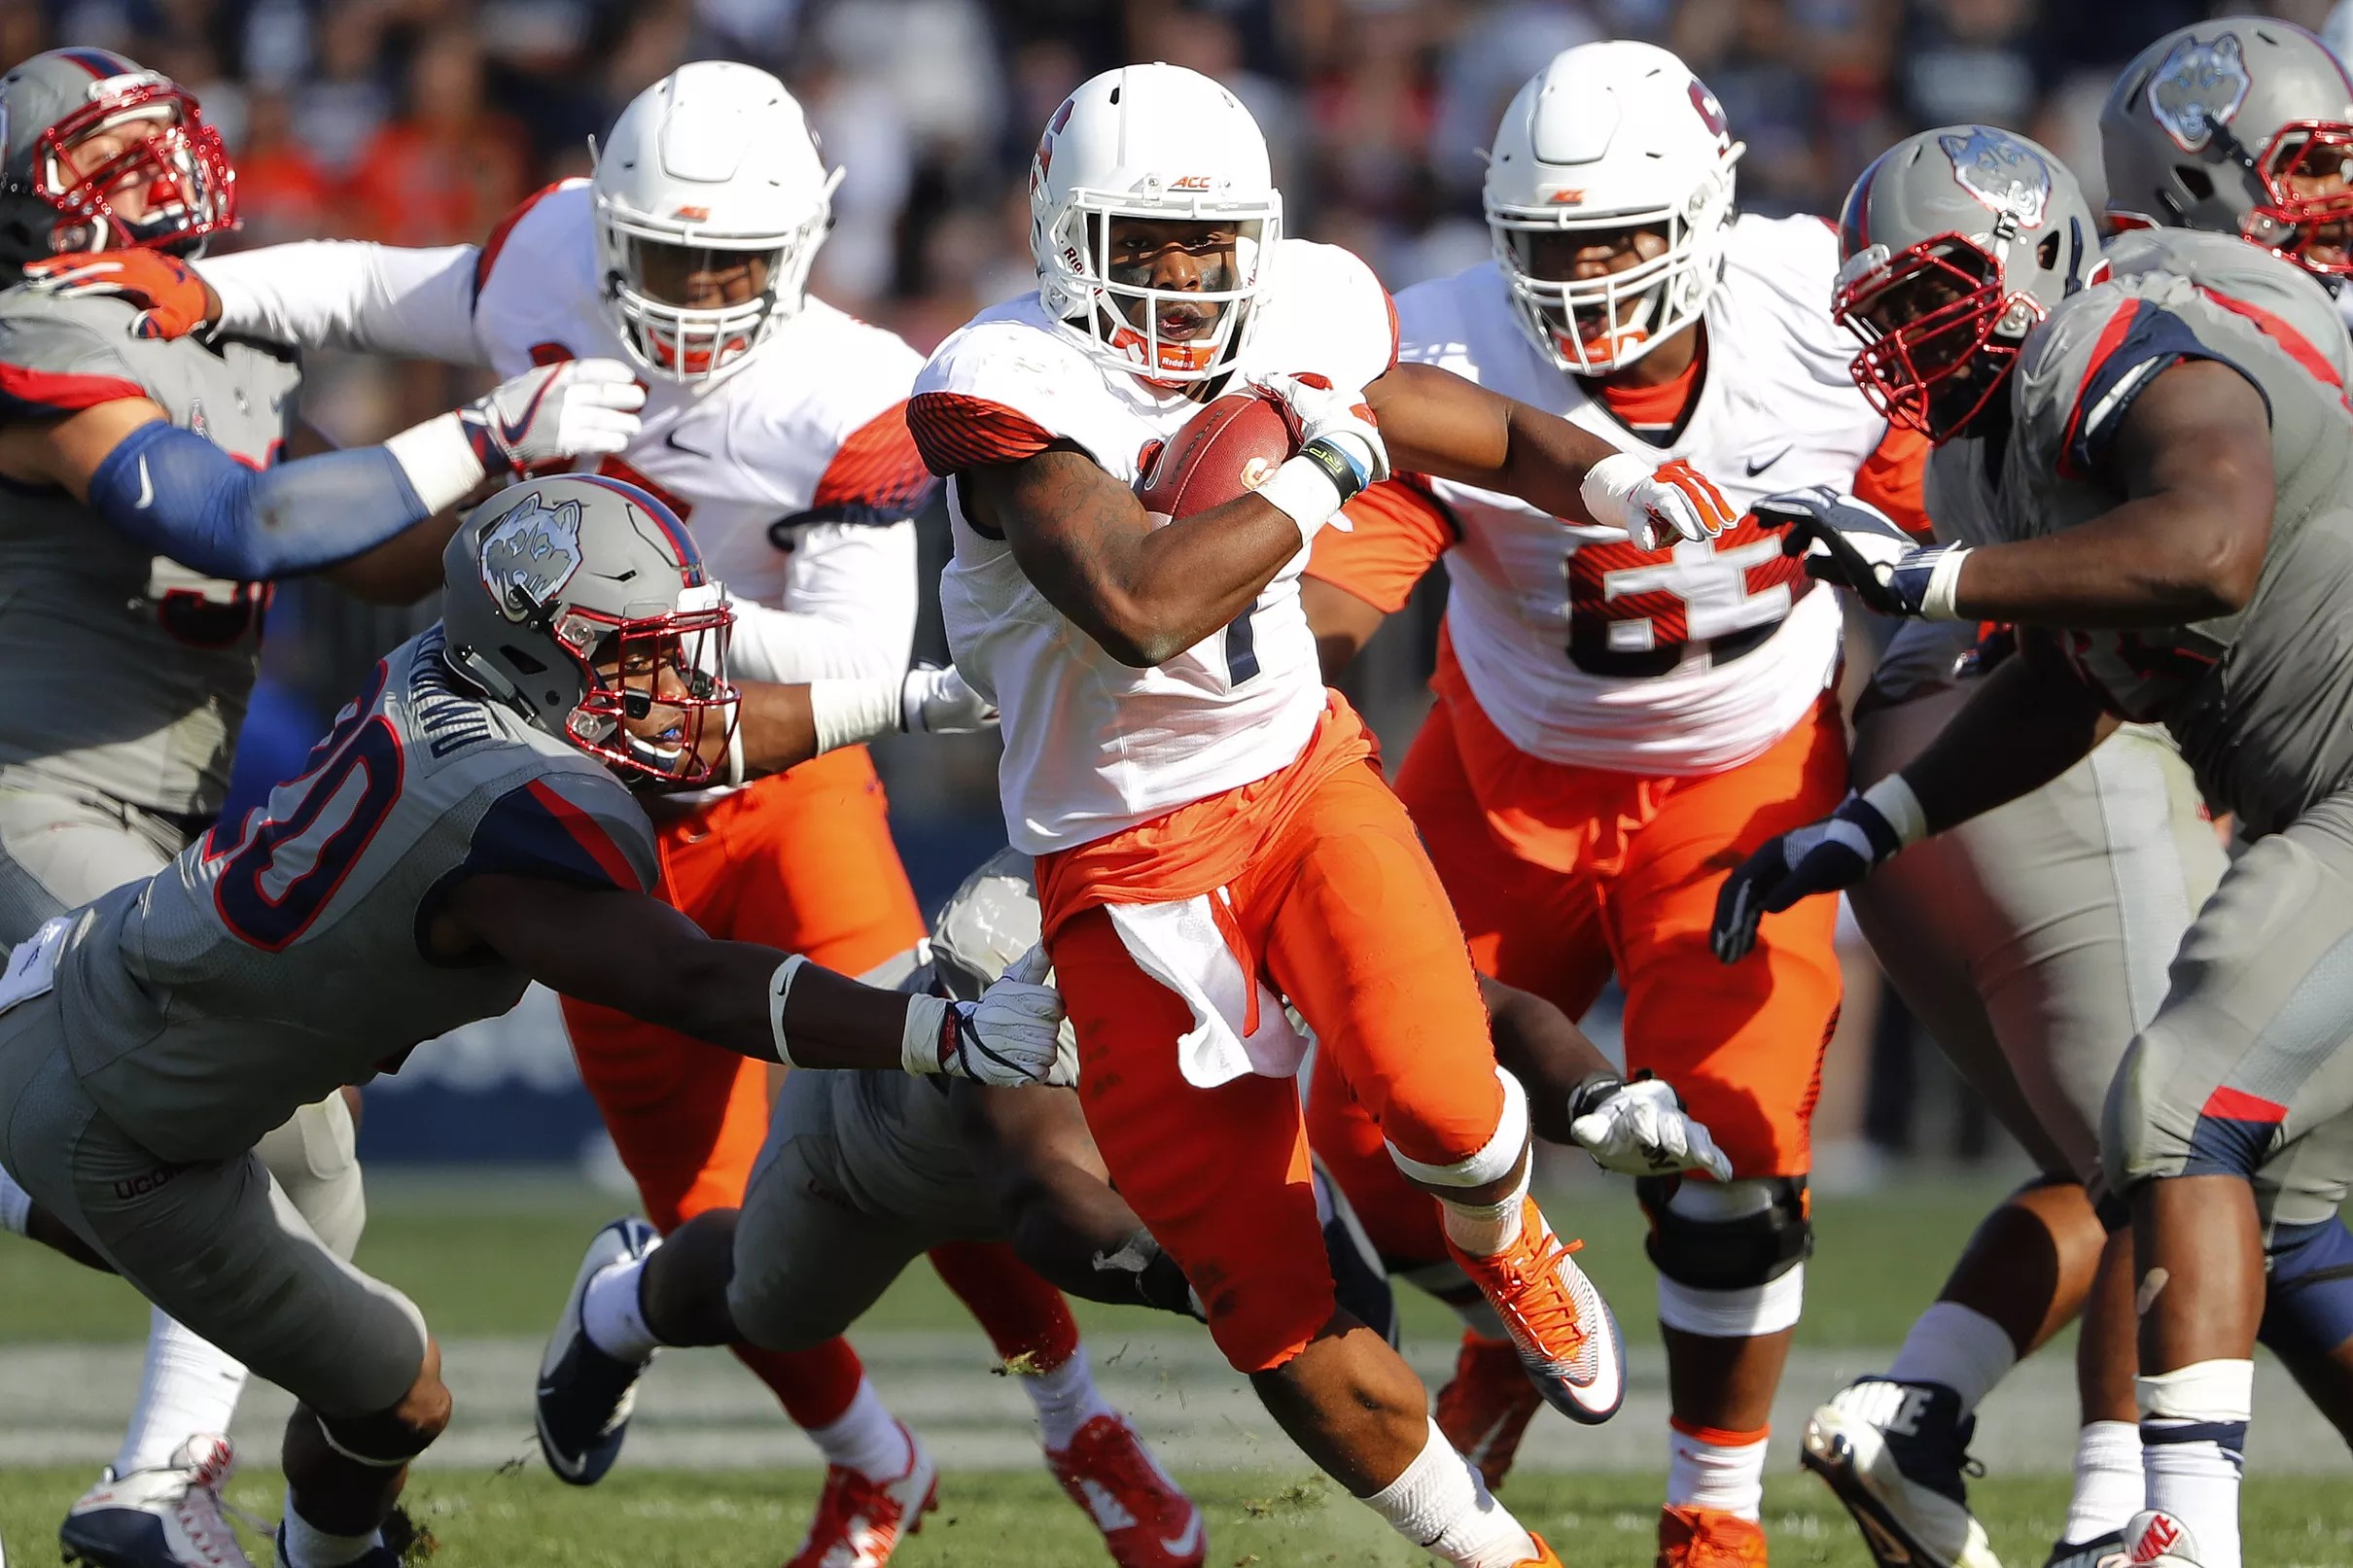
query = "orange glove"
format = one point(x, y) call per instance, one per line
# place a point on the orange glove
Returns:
point(173, 300)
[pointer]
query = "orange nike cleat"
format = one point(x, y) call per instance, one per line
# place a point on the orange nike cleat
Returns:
point(1145, 1519)
point(1567, 1342)
point(1709, 1537)
point(1485, 1407)
point(860, 1520)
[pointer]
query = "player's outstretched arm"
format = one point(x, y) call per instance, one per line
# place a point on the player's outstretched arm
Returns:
point(623, 950)
point(1437, 423)
point(2192, 457)
point(2029, 721)
point(177, 494)
point(1143, 594)
point(351, 295)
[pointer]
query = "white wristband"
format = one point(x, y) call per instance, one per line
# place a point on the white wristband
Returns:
point(1607, 484)
point(846, 712)
point(1943, 581)
point(438, 460)
point(1892, 798)
point(919, 1042)
point(780, 986)
point(1303, 491)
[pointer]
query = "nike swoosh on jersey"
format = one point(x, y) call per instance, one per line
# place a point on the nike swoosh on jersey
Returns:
point(1755, 468)
point(672, 441)
point(147, 488)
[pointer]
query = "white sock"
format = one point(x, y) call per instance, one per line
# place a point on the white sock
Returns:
point(610, 1314)
point(1728, 1478)
point(1064, 1398)
point(1442, 1506)
point(309, 1547)
point(2108, 1486)
point(1483, 1230)
point(866, 1439)
point(16, 1205)
point(188, 1386)
point(1958, 1346)
point(2193, 1434)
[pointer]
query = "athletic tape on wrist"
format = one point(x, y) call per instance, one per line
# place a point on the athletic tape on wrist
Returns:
point(919, 1041)
point(847, 713)
point(1607, 484)
point(1944, 582)
point(1892, 798)
point(440, 463)
point(1303, 490)
point(780, 986)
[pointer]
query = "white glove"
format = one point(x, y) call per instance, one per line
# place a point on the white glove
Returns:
point(1340, 451)
point(553, 412)
point(1656, 506)
point(938, 702)
point(549, 414)
point(1011, 1038)
point(1641, 1129)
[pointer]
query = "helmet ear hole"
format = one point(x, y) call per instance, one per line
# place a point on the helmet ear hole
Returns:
point(2195, 181)
point(2046, 254)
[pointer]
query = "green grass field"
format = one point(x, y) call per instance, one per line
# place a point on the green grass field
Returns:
point(491, 1256)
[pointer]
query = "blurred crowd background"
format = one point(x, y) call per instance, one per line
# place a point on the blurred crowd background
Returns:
point(423, 122)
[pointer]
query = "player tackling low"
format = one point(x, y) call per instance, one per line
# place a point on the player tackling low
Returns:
point(1211, 834)
point(468, 824)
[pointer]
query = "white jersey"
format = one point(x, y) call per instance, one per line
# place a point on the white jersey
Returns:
point(794, 471)
point(1093, 745)
point(1585, 648)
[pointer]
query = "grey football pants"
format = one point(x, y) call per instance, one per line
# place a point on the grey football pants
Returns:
point(2244, 1070)
point(59, 852)
point(215, 1244)
point(823, 1232)
point(2032, 941)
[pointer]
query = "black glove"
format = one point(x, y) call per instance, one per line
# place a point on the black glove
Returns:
point(1836, 852)
point(1857, 546)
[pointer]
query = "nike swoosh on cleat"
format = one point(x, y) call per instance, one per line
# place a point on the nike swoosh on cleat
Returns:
point(147, 488)
point(1188, 1541)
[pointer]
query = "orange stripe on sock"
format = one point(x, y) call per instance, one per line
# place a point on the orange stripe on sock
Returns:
point(1717, 1436)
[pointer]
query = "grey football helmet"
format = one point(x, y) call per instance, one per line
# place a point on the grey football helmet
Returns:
point(2242, 127)
point(991, 920)
point(1955, 244)
point(581, 603)
point(53, 102)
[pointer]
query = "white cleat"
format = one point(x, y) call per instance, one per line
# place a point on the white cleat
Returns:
point(165, 1517)
point(1894, 1453)
point(2154, 1538)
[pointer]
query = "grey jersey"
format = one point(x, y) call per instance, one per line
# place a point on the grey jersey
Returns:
point(268, 965)
point(143, 666)
point(2260, 701)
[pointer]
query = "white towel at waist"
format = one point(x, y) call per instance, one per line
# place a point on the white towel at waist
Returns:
point(1186, 948)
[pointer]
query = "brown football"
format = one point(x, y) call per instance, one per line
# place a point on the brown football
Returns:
point(1228, 450)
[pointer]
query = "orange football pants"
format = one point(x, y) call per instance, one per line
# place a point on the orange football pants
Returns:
point(1335, 905)
point(803, 861)
point(1563, 875)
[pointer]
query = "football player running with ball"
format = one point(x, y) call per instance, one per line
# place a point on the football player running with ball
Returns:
point(468, 826)
point(155, 488)
point(2159, 492)
point(1617, 723)
point(774, 426)
point(1210, 832)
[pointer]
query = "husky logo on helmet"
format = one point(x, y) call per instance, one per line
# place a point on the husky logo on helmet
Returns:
point(529, 554)
point(2197, 89)
point(2007, 179)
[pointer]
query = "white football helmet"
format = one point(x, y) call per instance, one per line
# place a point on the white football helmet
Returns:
point(1150, 141)
point(715, 156)
point(1613, 136)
